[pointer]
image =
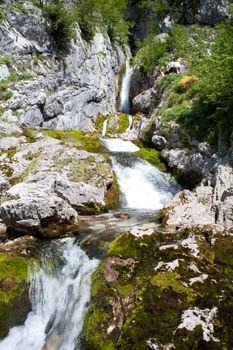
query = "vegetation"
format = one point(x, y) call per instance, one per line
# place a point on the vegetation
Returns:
point(144, 297)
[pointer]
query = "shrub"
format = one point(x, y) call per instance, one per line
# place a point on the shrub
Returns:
point(62, 20)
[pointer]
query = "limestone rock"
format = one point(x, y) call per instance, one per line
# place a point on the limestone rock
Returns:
point(4, 72)
point(49, 216)
point(7, 143)
point(32, 117)
point(190, 209)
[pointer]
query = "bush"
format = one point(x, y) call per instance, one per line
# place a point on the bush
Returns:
point(62, 19)
point(153, 52)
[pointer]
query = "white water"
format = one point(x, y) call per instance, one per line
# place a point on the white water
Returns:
point(142, 185)
point(105, 123)
point(130, 122)
point(59, 297)
point(125, 87)
point(118, 145)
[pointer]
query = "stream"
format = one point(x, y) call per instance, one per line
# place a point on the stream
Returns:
point(60, 283)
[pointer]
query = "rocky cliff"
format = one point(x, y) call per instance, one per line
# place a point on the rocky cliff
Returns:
point(52, 92)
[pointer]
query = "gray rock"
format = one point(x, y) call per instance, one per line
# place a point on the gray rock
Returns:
point(4, 186)
point(7, 143)
point(49, 215)
point(32, 117)
point(159, 141)
point(176, 67)
point(4, 72)
point(144, 102)
point(191, 209)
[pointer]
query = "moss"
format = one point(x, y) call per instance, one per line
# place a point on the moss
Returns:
point(123, 123)
point(14, 303)
point(152, 156)
point(151, 301)
point(81, 139)
point(112, 196)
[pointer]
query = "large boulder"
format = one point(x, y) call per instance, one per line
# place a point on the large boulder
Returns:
point(54, 182)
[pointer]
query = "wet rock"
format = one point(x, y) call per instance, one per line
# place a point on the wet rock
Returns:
point(25, 246)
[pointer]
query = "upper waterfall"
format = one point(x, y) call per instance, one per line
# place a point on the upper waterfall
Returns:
point(125, 89)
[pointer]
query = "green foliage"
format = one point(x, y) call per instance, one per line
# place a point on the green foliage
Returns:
point(107, 15)
point(62, 19)
point(6, 95)
point(153, 52)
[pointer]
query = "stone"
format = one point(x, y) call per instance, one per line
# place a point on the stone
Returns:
point(32, 117)
point(190, 209)
point(7, 143)
point(175, 67)
point(159, 141)
point(4, 186)
point(4, 72)
point(48, 216)
point(144, 102)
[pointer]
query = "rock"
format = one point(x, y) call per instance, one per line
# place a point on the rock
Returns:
point(190, 209)
point(172, 273)
point(32, 117)
point(49, 216)
point(4, 186)
point(145, 102)
point(7, 143)
point(176, 67)
point(55, 181)
point(159, 141)
point(25, 246)
point(80, 196)
point(4, 72)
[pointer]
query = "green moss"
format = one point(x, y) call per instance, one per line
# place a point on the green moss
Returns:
point(152, 156)
point(14, 303)
point(81, 139)
point(123, 123)
point(112, 196)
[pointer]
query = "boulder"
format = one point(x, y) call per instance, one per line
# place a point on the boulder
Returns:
point(190, 209)
point(33, 117)
point(49, 216)
point(55, 182)
point(159, 141)
point(145, 102)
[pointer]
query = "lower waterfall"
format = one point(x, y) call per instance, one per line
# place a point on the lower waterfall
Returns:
point(59, 293)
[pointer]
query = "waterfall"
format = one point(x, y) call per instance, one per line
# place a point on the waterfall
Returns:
point(104, 130)
point(59, 295)
point(130, 122)
point(125, 89)
point(142, 185)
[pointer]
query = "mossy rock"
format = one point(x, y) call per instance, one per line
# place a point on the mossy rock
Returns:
point(142, 302)
point(14, 301)
point(152, 156)
point(81, 139)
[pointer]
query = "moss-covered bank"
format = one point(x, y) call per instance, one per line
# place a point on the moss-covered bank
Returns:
point(145, 287)
point(14, 301)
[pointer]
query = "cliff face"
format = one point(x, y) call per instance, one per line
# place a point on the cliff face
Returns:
point(50, 92)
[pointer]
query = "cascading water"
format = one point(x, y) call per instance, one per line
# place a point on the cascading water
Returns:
point(142, 185)
point(59, 293)
point(104, 130)
point(125, 88)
